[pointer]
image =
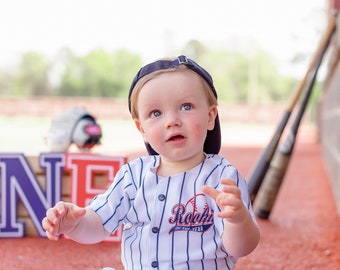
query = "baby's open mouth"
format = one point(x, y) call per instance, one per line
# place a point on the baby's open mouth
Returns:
point(175, 138)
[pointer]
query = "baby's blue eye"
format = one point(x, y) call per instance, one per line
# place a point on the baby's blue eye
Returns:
point(187, 107)
point(155, 113)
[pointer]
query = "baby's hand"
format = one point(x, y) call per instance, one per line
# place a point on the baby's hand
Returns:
point(61, 218)
point(228, 200)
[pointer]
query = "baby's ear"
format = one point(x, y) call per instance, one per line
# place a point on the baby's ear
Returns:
point(140, 128)
point(138, 125)
point(212, 117)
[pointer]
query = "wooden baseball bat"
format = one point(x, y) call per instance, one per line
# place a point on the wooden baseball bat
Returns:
point(260, 168)
point(273, 179)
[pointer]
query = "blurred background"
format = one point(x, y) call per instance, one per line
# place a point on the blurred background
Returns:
point(55, 55)
point(58, 54)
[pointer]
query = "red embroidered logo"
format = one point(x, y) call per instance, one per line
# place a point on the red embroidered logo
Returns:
point(187, 217)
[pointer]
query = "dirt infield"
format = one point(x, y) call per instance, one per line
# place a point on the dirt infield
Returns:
point(302, 233)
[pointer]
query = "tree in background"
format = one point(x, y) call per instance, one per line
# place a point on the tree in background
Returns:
point(238, 77)
point(32, 76)
point(7, 86)
point(98, 74)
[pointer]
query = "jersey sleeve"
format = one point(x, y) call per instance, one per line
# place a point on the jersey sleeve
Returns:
point(113, 205)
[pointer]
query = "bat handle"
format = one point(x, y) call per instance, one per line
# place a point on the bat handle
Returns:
point(270, 187)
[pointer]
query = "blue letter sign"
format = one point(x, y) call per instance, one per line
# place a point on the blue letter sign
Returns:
point(18, 180)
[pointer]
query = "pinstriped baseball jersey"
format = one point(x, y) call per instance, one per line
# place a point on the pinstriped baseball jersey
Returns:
point(168, 222)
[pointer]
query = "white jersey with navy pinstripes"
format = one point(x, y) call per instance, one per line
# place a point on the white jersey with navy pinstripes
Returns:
point(168, 222)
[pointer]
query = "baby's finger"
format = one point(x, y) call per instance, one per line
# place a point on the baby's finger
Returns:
point(226, 213)
point(46, 224)
point(230, 187)
point(229, 201)
point(53, 215)
point(228, 182)
point(78, 211)
point(60, 208)
point(234, 191)
point(52, 236)
point(50, 229)
point(213, 193)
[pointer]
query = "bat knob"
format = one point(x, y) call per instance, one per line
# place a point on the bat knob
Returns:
point(263, 214)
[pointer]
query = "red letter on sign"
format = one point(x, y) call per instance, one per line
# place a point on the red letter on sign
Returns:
point(90, 175)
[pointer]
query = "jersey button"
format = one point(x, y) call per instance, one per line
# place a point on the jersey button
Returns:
point(154, 264)
point(155, 230)
point(161, 197)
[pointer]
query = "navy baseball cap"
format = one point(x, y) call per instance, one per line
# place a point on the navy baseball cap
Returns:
point(212, 142)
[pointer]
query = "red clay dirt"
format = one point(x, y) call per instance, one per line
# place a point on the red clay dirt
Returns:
point(302, 232)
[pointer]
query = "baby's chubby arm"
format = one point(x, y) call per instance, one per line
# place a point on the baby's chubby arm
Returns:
point(241, 234)
point(82, 225)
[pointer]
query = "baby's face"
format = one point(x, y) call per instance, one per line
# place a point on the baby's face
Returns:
point(174, 114)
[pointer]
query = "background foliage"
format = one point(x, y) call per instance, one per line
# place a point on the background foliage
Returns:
point(238, 77)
